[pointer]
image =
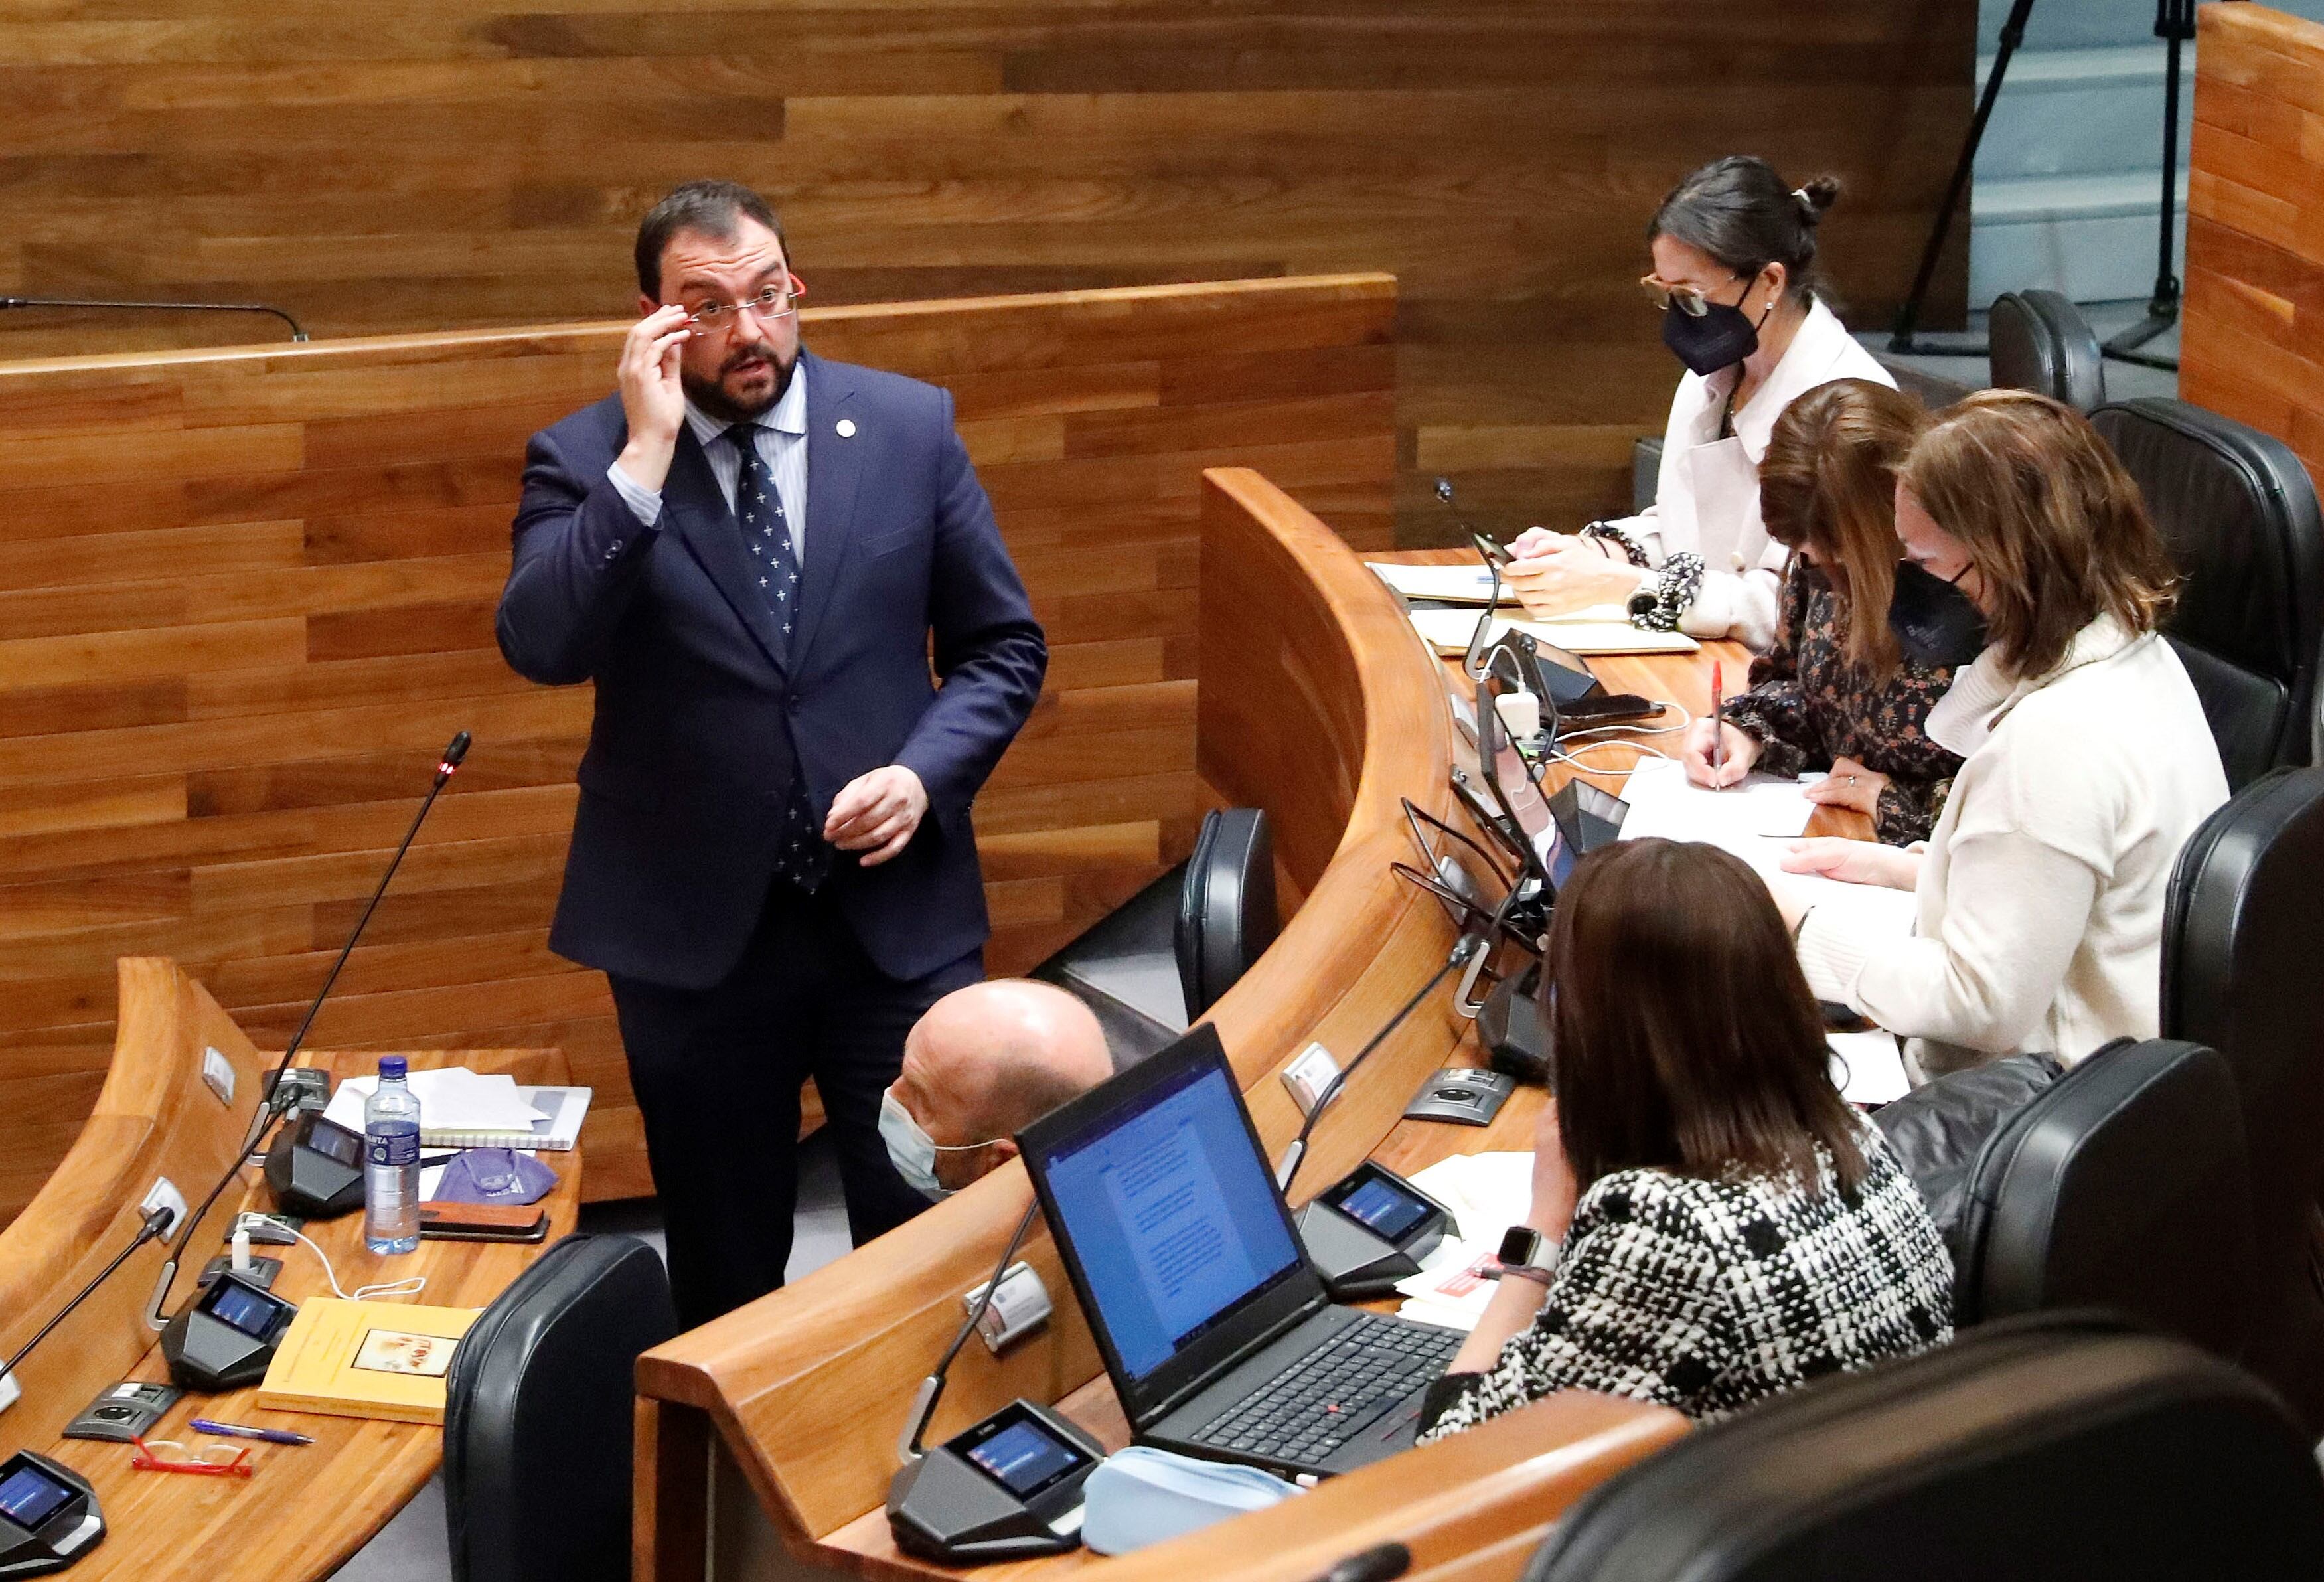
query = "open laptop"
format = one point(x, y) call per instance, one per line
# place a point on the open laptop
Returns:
point(1214, 1327)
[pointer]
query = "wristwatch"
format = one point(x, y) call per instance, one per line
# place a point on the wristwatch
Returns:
point(1528, 1254)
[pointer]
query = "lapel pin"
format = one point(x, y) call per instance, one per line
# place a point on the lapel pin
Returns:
point(846, 427)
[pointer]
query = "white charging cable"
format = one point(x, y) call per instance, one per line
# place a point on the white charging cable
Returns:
point(412, 1285)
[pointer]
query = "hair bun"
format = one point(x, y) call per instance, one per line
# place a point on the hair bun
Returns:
point(1815, 196)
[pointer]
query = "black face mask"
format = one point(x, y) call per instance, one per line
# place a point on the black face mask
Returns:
point(1935, 623)
point(1721, 337)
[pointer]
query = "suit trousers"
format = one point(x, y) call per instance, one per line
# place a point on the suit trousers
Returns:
point(717, 1074)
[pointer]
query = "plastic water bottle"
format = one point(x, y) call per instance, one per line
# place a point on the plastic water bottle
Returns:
point(391, 1163)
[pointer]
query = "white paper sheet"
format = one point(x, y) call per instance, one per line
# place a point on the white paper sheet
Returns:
point(452, 1098)
point(1664, 803)
point(1463, 584)
point(1449, 631)
point(1868, 1066)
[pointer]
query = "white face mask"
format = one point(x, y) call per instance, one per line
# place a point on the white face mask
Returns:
point(912, 1151)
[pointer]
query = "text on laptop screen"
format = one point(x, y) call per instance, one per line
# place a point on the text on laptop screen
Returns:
point(1172, 1213)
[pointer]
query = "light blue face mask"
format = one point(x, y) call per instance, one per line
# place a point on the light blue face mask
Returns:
point(912, 1151)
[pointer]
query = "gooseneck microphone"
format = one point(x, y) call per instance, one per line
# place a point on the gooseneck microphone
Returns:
point(272, 1099)
point(1296, 1155)
point(931, 1391)
point(156, 1224)
point(295, 332)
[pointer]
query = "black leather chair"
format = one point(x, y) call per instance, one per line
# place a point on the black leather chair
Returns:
point(2041, 342)
point(2239, 514)
point(2059, 1448)
point(2123, 1185)
point(1226, 909)
point(2242, 972)
point(539, 1415)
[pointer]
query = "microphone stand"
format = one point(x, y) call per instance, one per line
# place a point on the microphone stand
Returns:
point(1296, 1155)
point(931, 1391)
point(156, 1224)
point(295, 332)
point(272, 1094)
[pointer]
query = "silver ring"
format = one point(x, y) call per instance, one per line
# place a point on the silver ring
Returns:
point(1852, 779)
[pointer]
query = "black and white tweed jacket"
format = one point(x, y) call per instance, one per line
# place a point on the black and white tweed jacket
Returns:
point(1707, 1296)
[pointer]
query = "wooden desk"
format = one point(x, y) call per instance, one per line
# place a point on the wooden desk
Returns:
point(1318, 702)
point(308, 1508)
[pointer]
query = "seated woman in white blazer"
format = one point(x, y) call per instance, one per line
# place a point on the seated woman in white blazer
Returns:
point(2033, 918)
point(1734, 250)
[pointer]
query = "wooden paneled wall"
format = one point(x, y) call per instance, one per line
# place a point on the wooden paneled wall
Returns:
point(245, 597)
point(2252, 342)
point(423, 164)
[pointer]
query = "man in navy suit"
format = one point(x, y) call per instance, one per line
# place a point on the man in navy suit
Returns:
point(748, 550)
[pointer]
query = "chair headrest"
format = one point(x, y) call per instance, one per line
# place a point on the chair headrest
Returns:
point(2059, 1447)
point(2040, 341)
point(1226, 911)
point(2238, 513)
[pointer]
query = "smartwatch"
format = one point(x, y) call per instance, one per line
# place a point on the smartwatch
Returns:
point(1528, 1254)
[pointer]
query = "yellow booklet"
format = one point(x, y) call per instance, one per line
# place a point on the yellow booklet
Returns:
point(366, 1359)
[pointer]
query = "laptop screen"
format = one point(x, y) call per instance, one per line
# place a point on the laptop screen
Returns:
point(1170, 1210)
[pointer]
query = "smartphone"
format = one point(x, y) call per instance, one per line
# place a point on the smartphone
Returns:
point(482, 1222)
point(1491, 552)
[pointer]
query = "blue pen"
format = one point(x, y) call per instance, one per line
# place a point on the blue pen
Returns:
point(235, 1430)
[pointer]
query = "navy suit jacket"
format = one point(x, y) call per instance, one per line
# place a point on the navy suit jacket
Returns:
point(691, 753)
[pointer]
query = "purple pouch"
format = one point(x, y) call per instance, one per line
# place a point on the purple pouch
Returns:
point(493, 1175)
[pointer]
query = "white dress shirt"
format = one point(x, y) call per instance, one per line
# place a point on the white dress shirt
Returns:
point(782, 446)
point(1706, 493)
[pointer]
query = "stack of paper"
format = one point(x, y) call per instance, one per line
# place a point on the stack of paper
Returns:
point(1487, 1193)
point(1600, 629)
point(1470, 585)
point(451, 1100)
point(1756, 820)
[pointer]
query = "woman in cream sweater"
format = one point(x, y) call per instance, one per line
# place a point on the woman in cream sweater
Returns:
point(2033, 918)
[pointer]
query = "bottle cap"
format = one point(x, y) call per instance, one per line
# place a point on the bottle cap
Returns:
point(391, 1065)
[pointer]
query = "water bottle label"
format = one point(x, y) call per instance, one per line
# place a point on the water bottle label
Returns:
point(395, 1149)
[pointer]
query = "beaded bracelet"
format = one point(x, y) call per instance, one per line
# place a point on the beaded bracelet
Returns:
point(1674, 590)
point(1630, 546)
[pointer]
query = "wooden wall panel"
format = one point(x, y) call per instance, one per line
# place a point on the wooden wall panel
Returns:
point(244, 596)
point(2252, 342)
point(423, 164)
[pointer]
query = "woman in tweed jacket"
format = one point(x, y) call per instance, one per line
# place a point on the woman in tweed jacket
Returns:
point(1721, 1224)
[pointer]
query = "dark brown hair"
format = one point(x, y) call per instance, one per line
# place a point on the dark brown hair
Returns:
point(1828, 485)
point(1739, 211)
point(1686, 1038)
point(709, 207)
point(2050, 521)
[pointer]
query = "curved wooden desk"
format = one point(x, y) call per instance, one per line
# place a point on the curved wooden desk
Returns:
point(1318, 702)
point(307, 1509)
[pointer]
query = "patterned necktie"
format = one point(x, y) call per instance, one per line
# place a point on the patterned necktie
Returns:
point(803, 857)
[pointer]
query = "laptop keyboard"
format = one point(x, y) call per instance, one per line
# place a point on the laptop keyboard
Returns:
point(1336, 1392)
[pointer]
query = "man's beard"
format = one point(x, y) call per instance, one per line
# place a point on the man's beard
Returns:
point(711, 396)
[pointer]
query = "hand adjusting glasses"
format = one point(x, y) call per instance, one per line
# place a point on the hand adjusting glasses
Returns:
point(774, 302)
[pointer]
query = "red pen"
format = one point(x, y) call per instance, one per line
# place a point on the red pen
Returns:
point(1718, 718)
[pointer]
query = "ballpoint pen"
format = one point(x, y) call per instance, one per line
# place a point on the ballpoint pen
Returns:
point(235, 1431)
point(1718, 724)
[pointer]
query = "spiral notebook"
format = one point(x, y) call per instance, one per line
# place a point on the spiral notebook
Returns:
point(555, 1124)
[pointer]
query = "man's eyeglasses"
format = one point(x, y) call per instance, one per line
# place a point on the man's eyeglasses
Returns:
point(774, 302)
point(1690, 300)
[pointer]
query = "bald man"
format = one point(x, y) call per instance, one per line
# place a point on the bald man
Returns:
point(983, 1063)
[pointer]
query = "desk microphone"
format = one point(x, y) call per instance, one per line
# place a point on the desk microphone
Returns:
point(1468, 946)
point(275, 1096)
point(931, 1391)
point(156, 1224)
point(296, 333)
